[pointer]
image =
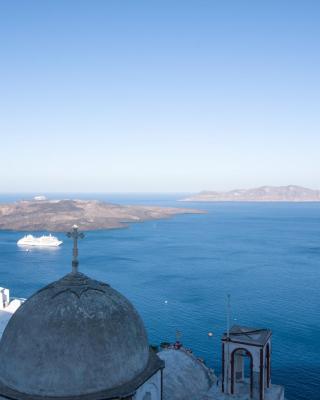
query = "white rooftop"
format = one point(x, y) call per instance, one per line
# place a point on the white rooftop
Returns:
point(187, 378)
point(184, 376)
point(275, 392)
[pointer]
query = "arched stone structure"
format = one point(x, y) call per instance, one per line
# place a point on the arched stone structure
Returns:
point(256, 344)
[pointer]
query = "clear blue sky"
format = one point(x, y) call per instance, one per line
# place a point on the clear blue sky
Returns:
point(158, 95)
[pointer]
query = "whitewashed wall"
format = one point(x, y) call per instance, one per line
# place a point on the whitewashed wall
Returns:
point(151, 389)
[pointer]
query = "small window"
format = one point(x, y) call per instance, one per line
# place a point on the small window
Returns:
point(147, 396)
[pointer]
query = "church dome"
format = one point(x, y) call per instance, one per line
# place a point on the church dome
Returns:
point(184, 377)
point(75, 338)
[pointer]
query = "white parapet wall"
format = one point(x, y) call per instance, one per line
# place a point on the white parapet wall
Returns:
point(7, 308)
point(4, 298)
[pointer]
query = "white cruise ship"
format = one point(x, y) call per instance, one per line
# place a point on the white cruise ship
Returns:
point(40, 198)
point(42, 241)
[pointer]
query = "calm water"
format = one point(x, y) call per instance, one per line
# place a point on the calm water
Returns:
point(178, 272)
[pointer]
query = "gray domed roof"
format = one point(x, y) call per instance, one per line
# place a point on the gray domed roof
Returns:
point(76, 337)
point(184, 377)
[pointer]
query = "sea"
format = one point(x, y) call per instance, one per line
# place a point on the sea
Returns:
point(179, 271)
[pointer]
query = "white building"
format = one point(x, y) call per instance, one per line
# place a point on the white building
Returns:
point(251, 348)
point(7, 307)
point(246, 370)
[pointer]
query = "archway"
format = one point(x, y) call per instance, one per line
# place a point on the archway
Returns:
point(238, 368)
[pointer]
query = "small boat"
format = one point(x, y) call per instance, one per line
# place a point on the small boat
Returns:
point(40, 198)
point(42, 241)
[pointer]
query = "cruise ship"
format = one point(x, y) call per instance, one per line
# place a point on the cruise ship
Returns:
point(42, 241)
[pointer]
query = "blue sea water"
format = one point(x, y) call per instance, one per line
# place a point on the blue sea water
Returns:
point(178, 272)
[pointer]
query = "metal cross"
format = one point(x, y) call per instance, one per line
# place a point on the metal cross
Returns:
point(75, 234)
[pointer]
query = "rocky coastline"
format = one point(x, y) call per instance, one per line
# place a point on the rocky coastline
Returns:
point(60, 215)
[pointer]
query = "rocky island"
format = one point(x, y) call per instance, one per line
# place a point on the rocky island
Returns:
point(60, 215)
point(291, 193)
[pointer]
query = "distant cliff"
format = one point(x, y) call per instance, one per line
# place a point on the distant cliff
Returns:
point(60, 215)
point(264, 193)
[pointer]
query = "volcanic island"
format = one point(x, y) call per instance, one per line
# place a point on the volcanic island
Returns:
point(60, 215)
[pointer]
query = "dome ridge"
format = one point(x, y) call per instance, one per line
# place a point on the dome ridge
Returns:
point(75, 283)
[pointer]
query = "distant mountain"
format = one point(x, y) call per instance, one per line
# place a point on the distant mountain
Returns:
point(264, 193)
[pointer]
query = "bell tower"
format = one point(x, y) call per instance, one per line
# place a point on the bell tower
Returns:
point(246, 361)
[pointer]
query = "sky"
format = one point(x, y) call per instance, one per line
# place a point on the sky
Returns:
point(158, 96)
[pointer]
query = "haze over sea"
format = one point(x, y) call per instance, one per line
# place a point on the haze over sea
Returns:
point(178, 272)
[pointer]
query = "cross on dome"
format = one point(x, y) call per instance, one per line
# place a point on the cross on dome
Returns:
point(75, 235)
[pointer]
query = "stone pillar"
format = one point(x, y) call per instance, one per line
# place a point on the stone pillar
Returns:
point(256, 384)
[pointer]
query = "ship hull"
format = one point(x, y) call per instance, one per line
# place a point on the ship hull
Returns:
point(39, 244)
